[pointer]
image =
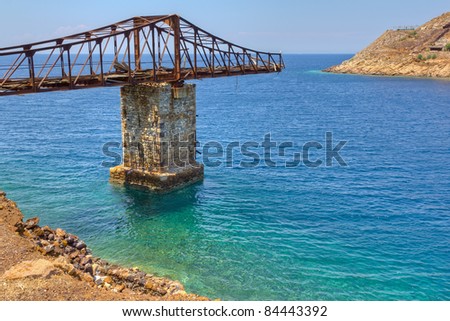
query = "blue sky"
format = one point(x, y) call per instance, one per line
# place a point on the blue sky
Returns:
point(319, 26)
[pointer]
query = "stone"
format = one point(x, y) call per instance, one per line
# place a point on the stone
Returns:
point(99, 280)
point(47, 229)
point(60, 233)
point(31, 269)
point(119, 288)
point(59, 250)
point(160, 290)
point(38, 232)
point(51, 237)
point(20, 227)
point(149, 285)
point(87, 278)
point(80, 245)
point(31, 223)
point(175, 287)
point(74, 254)
point(68, 249)
point(96, 268)
point(2, 194)
point(49, 249)
point(88, 269)
point(71, 240)
point(27, 234)
point(86, 260)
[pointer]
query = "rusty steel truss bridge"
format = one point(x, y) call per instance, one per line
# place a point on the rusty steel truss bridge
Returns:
point(164, 48)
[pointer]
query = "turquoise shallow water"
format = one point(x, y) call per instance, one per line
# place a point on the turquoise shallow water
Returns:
point(378, 229)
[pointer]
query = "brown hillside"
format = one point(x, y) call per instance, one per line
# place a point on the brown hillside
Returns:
point(421, 52)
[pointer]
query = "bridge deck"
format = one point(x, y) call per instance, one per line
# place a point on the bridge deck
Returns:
point(141, 49)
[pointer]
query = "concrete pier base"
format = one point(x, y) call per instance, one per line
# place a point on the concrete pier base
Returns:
point(159, 137)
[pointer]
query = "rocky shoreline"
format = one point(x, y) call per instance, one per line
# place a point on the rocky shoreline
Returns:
point(412, 52)
point(60, 261)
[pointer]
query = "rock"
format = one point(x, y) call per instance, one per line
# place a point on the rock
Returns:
point(119, 288)
point(31, 223)
point(20, 227)
point(99, 280)
point(27, 234)
point(38, 232)
point(31, 269)
point(49, 249)
point(73, 271)
point(59, 250)
point(74, 254)
point(86, 260)
point(149, 285)
point(88, 269)
point(69, 250)
point(95, 269)
point(161, 291)
point(71, 240)
point(109, 280)
point(175, 287)
point(60, 233)
point(80, 245)
point(3, 194)
point(87, 278)
point(130, 277)
point(141, 281)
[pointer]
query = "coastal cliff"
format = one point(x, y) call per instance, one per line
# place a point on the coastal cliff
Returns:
point(42, 264)
point(421, 52)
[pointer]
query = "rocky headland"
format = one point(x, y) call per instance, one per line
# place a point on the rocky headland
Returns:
point(407, 51)
point(40, 263)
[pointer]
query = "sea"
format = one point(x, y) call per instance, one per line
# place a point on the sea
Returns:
point(317, 186)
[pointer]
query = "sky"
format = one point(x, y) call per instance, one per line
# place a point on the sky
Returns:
point(290, 26)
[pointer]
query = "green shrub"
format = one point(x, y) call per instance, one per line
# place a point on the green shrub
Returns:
point(420, 57)
point(447, 47)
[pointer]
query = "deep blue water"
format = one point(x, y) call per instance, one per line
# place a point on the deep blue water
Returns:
point(377, 229)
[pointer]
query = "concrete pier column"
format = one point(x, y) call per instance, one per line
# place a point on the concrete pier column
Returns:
point(159, 137)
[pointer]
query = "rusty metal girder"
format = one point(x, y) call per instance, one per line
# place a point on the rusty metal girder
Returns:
point(140, 49)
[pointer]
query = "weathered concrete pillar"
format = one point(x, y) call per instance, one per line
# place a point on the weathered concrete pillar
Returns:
point(159, 137)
